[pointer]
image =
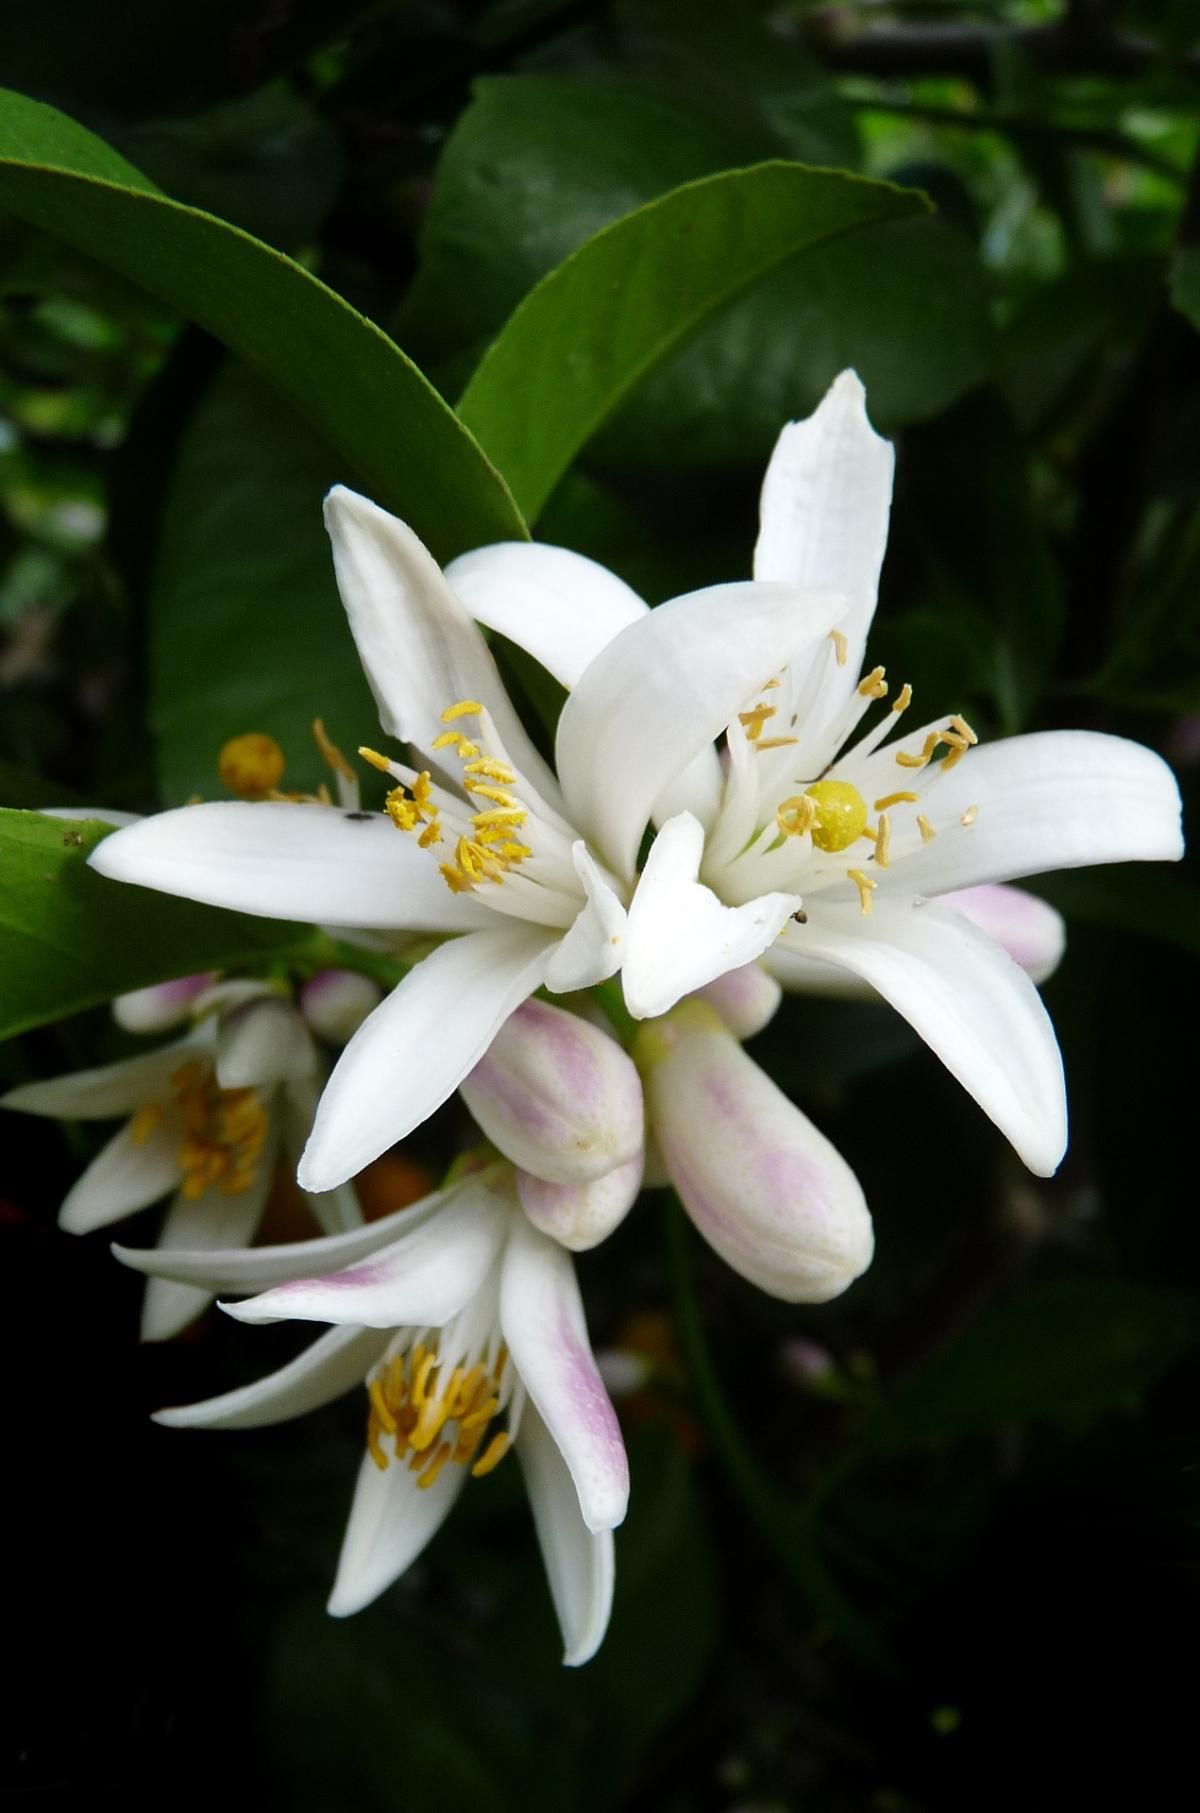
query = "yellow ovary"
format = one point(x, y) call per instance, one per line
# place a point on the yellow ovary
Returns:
point(841, 814)
point(433, 1416)
point(251, 766)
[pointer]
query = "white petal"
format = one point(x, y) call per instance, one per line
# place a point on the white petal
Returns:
point(560, 607)
point(579, 1564)
point(211, 1221)
point(162, 1006)
point(335, 1211)
point(112, 1089)
point(421, 1280)
point(969, 1001)
point(125, 1176)
point(824, 511)
point(592, 948)
point(284, 860)
point(807, 976)
point(1029, 929)
point(331, 1365)
point(1057, 800)
point(412, 1053)
point(262, 1044)
point(542, 1317)
point(418, 646)
point(391, 1520)
point(260, 1267)
point(680, 935)
point(663, 690)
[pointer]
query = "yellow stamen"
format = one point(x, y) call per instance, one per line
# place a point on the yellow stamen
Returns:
point(492, 771)
point(963, 729)
point(499, 816)
point(752, 721)
point(466, 708)
point(331, 755)
point(432, 834)
point(454, 739)
point(925, 828)
point(865, 886)
point(882, 840)
point(492, 1455)
point(376, 760)
point(796, 816)
point(903, 699)
point(895, 799)
point(762, 743)
point(841, 647)
point(383, 1410)
point(905, 759)
point(146, 1121)
point(873, 685)
point(493, 793)
point(969, 816)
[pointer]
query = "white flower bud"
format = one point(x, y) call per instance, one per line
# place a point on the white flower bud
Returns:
point(764, 1187)
point(557, 1096)
point(160, 1007)
point(1030, 930)
point(581, 1215)
point(335, 1002)
point(745, 998)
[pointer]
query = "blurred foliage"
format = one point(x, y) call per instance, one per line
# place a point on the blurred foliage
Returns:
point(910, 1553)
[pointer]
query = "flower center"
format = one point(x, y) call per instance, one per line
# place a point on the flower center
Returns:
point(224, 1131)
point(252, 765)
point(434, 1414)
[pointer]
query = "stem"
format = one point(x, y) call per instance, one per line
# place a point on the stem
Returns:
point(789, 1529)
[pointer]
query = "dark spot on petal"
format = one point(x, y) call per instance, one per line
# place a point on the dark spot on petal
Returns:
point(357, 815)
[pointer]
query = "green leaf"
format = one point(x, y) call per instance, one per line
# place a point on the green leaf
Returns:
point(1184, 283)
point(619, 306)
point(247, 630)
point(69, 939)
point(403, 443)
point(1067, 1349)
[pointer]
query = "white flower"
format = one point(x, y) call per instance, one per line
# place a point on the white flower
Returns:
point(795, 828)
point(207, 1118)
point(460, 1317)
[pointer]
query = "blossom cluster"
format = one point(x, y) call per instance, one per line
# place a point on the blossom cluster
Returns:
point(735, 807)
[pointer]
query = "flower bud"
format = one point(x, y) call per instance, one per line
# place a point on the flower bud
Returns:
point(335, 1002)
point(557, 1096)
point(745, 998)
point(1030, 930)
point(162, 1006)
point(581, 1215)
point(764, 1187)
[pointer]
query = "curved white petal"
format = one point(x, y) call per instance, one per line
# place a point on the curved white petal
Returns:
point(417, 1046)
point(560, 607)
point(824, 511)
point(579, 1563)
point(391, 1520)
point(1032, 932)
point(418, 646)
point(283, 860)
point(969, 1001)
point(1057, 800)
point(263, 1044)
point(421, 1280)
point(680, 936)
point(591, 948)
point(128, 1174)
point(213, 1220)
point(803, 975)
point(331, 1365)
point(541, 1314)
point(258, 1268)
point(664, 690)
point(335, 1211)
point(161, 1007)
point(112, 1089)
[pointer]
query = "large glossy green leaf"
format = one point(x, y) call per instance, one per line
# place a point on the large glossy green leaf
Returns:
point(70, 939)
point(247, 631)
point(397, 436)
point(600, 322)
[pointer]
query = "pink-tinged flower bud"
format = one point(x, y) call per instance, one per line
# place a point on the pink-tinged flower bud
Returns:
point(764, 1187)
point(335, 1002)
point(162, 1006)
point(745, 998)
point(1030, 930)
point(581, 1215)
point(558, 1096)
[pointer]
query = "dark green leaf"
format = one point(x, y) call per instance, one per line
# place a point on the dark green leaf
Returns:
point(1185, 283)
point(70, 939)
point(340, 370)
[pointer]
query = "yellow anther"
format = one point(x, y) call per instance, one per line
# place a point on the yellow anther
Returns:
point(841, 814)
point(796, 816)
point(963, 729)
point(455, 880)
point(376, 760)
point(373, 1448)
point(251, 765)
point(499, 815)
point(401, 810)
point(905, 759)
point(497, 794)
point(383, 1409)
point(492, 1455)
point(435, 1466)
point(421, 1372)
point(969, 816)
point(873, 685)
point(770, 685)
point(865, 886)
point(925, 828)
point(761, 743)
point(895, 799)
point(454, 739)
point(752, 721)
point(492, 771)
point(903, 699)
point(466, 708)
point(225, 1131)
point(146, 1121)
point(841, 647)
point(432, 834)
point(331, 755)
point(882, 839)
